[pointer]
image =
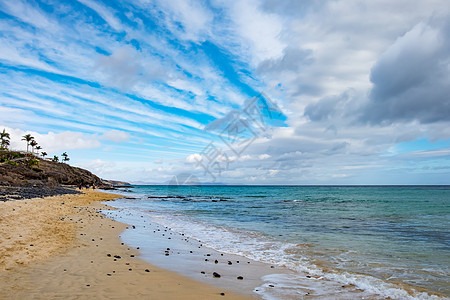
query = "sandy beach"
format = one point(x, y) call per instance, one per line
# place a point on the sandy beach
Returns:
point(62, 247)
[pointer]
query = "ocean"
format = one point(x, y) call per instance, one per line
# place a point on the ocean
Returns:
point(380, 241)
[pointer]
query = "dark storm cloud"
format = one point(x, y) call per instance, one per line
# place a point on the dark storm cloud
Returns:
point(411, 79)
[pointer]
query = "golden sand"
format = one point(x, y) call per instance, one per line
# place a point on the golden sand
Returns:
point(61, 247)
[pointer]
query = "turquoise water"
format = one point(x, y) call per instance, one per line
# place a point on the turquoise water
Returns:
point(379, 238)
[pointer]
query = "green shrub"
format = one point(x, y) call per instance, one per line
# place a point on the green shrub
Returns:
point(12, 163)
point(33, 162)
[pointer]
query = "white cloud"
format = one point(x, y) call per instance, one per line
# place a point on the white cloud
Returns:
point(194, 18)
point(429, 153)
point(187, 86)
point(194, 158)
point(52, 142)
point(245, 157)
point(342, 175)
point(127, 67)
point(14, 116)
point(101, 168)
point(273, 172)
point(28, 14)
point(105, 13)
point(315, 58)
point(222, 158)
point(116, 136)
point(15, 56)
point(264, 156)
point(260, 32)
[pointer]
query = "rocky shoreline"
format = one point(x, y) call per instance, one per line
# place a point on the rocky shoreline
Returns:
point(25, 176)
point(29, 191)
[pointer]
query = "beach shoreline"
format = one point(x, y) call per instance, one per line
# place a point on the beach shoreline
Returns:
point(220, 222)
point(62, 246)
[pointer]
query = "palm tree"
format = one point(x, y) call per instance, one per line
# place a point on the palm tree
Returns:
point(43, 154)
point(4, 145)
point(38, 148)
point(4, 136)
point(33, 144)
point(55, 158)
point(66, 157)
point(28, 138)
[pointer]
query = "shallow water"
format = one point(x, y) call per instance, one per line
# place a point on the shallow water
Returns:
point(382, 240)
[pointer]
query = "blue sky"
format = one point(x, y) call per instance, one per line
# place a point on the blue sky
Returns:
point(357, 92)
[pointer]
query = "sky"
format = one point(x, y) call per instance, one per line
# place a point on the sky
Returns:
point(234, 92)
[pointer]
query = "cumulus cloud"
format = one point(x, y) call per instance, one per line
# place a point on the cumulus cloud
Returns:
point(51, 142)
point(328, 64)
point(194, 158)
point(411, 78)
point(100, 167)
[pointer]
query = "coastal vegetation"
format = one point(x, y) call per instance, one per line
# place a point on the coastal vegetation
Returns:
point(10, 156)
point(4, 136)
point(28, 138)
point(29, 174)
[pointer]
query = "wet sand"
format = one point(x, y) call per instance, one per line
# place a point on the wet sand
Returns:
point(165, 248)
point(62, 247)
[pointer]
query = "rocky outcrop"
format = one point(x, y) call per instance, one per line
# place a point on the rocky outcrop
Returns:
point(24, 176)
point(116, 183)
point(31, 170)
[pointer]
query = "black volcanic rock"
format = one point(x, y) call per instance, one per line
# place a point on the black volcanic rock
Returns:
point(31, 169)
point(29, 177)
